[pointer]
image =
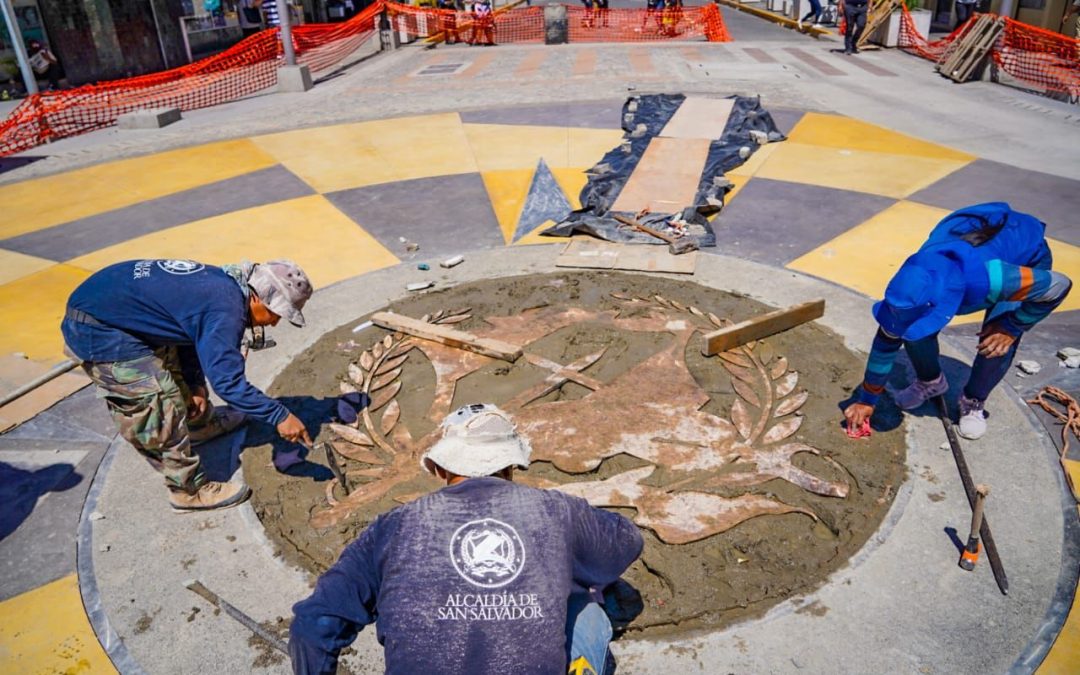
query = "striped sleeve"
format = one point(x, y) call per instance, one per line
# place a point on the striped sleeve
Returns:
point(878, 366)
point(1039, 292)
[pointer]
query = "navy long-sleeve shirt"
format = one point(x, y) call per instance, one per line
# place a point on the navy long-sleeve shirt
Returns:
point(141, 305)
point(473, 578)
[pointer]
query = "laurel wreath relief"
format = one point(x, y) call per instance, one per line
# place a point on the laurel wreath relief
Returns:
point(764, 414)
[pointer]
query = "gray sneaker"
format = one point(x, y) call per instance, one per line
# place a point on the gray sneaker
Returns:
point(919, 392)
point(972, 418)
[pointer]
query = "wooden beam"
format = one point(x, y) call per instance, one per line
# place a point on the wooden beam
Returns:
point(763, 326)
point(496, 349)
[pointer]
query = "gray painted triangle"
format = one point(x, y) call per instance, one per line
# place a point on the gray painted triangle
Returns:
point(545, 201)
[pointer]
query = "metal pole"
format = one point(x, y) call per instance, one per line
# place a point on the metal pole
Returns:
point(286, 31)
point(29, 78)
point(157, 33)
point(57, 370)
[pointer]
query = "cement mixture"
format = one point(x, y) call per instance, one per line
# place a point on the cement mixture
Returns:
point(707, 582)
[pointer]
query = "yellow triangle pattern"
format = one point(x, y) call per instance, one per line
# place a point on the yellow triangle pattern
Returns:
point(507, 191)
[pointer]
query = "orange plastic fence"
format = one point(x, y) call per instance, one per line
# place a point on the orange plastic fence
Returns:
point(526, 24)
point(245, 68)
point(1029, 54)
point(252, 64)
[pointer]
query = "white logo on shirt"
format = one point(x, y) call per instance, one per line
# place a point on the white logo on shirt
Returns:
point(487, 553)
point(180, 266)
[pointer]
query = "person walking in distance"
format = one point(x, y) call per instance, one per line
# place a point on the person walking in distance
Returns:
point(854, 23)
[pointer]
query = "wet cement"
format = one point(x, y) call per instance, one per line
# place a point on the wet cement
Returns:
point(704, 584)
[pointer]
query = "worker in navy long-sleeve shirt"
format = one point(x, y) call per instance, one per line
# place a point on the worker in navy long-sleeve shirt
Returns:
point(482, 576)
point(985, 257)
point(151, 333)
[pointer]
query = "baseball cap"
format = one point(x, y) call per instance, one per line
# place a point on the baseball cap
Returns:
point(923, 296)
point(478, 440)
point(283, 288)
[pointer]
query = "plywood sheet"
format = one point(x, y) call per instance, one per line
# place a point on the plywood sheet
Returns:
point(666, 178)
point(699, 118)
point(597, 254)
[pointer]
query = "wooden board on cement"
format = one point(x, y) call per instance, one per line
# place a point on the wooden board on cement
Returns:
point(763, 326)
point(666, 179)
point(699, 117)
point(605, 255)
point(496, 349)
point(16, 371)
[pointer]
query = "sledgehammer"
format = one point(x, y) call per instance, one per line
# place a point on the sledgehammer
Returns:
point(195, 586)
point(970, 555)
point(676, 246)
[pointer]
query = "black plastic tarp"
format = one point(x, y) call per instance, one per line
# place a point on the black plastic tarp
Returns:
point(643, 118)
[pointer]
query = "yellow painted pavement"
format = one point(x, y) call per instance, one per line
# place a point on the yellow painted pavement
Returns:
point(878, 173)
point(851, 134)
point(17, 265)
point(33, 308)
point(507, 191)
point(309, 230)
point(368, 153)
point(572, 181)
point(44, 202)
point(867, 256)
point(46, 631)
point(499, 147)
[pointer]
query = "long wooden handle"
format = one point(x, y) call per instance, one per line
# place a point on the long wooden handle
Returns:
point(981, 491)
point(645, 228)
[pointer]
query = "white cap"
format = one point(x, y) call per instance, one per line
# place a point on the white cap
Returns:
point(478, 440)
point(283, 288)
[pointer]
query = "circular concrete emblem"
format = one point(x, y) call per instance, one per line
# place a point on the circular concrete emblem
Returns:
point(181, 267)
point(487, 553)
point(734, 466)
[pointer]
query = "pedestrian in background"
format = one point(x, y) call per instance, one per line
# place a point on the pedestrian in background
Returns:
point(44, 63)
point(854, 23)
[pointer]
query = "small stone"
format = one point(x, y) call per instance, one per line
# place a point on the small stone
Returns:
point(104, 548)
point(1072, 362)
point(412, 246)
point(744, 152)
point(451, 262)
point(639, 131)
point(775, 136)
point(97, 515)
point(423, 267)
point(944, 446)
point(760, 137)
point(722, 181)
point(1029, 367)
point(419, 285)
point(1068, 352)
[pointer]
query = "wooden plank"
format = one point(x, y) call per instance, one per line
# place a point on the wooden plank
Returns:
point(605, 255)
point(763, 326)
point(666, 178)
point(496, 349)
point(699, 117)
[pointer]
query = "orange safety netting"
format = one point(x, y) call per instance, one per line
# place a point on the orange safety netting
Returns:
point(243, 69)
point(1032, 55)
point(526, 24)
point(252, 64)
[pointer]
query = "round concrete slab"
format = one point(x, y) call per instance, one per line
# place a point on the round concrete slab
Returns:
point(900, 605)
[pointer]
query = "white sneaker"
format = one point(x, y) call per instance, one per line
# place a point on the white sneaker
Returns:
point(818, 25)
point(972, 418)
point(798, 22)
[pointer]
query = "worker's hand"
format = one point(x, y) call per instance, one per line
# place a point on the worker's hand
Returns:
point(293, 430)
point(199, 404)
point(856, 414)
point(994, 342)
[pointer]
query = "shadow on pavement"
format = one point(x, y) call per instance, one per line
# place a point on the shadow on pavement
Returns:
point(21, 488)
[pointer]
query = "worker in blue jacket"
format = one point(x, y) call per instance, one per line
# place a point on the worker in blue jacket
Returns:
point(482, 576)
point(985, 257)
point(151, 333)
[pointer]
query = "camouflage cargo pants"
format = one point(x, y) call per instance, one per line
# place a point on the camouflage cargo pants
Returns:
point(149, 399)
